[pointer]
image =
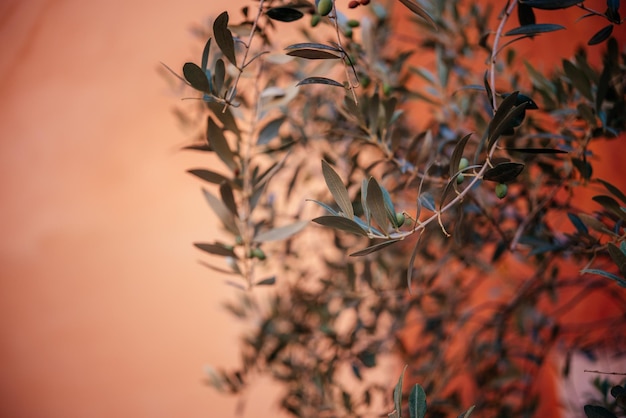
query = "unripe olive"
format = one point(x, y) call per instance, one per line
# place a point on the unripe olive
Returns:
point(400, 219)
point(387, 89)
point(501, 190)
point(463, 163)
point(348, 32)
point(257, 253)
point(238, 240)
point(315, 19)
point(324, 7)
point(460, 178)
point(365, 81)
point(353, 23)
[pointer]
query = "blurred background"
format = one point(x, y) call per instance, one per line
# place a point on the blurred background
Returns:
point(104, 310)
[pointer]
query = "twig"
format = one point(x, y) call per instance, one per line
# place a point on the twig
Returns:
point(600, 372)
point(494, 50)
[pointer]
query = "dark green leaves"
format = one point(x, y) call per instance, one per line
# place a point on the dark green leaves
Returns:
point(319, 80)
point(457, 154)
point(534, 29)
point(417, 402)
point(506, 116)
point(224, 37)
point(196, 77)
point(550, 4)
point(284, 14)
point(601, 36)
point(217, 141)
point(339, 222)
point(504, 172)
point(281, 233)
point(611, 206)
point(618, 257)
point(216, 249)
point(593, 411)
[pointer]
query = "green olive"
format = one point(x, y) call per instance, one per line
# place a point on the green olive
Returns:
point(501, 190)
point(460, 178)
point(315, 19)
point(353, 23)
point(463, 163)
point(400, 218)
point(258, 253)
point(324, 7)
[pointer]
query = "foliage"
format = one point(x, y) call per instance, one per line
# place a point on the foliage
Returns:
point(445, 179)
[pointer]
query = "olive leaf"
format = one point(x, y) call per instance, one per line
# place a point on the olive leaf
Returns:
point(270, 130)
point(208, 175)
point(619, 258)
point(226, 192)
point(224, 37)
point(417, 402)
point(205, 55)
point(376, 204)
point(196, 77)
point(550, 4)
point(534, 29)
point(413, 6)
point(611, 205)
point(280, 233)
point(614, 190)
point(217, 141)
point(337, 189)
point(457, 154)
point(319, 80)
point(339, 222)
point(215, 249)
point(373, 248)
point(601, 36)
point(504, 172)
point(222, 212)
point(284, 14)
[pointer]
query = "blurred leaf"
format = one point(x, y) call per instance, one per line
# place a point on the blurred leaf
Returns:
point(534, 29)
point(611, 205)
point(457, 154)
point(501, 121)
point(413, 6)
point(266, 282)
point(488, 88)
point(550, 4)
point(339, 222)
point(583, 167)
point(601, 36)
point(325, 206)
point(208, 175)
point(284, 14)
point(228, 198)
point(312, 45)
point(337, 189)
point(618, 257)
point(468, 413)
point(428, 201)
point(222, 212)
point(504, 172)
point(417, 402)
point(215, 249)
point(281, 233)
point(376, 204)
point(224, 37)
point(593, 411)
point(620, 281)
point(578, 79)
point(196, 77)
point(218, 143)
point(594, 224)
point(374, 248)
point(578, 223)
point(614, 190)
point(270, 130)
point(319, 80)
point(225, 117)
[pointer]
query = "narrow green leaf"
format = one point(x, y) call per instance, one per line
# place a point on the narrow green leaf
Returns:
point(620, 281)
point(500, 120)
point(319, 80)
point(284, 14)
point(217, 141)
point(312, 45)
point(601, 36)
point(413, 6)
point(525, 15)
point(281, 233)
point(325, 206)
point(550, 4)
point(226, 192)
point(457, 154)
point(225, 117)
point(215, 249)
point(428, 201)
point(417, 402)
point(205, 55)
point(376, 204)
point(595, 224)
point(222, 212)
point(219, 75)
point(313, 54)
point(614, 190)
point(337, 189)
point(578, 223)
point(208, 175)
point(618, 257)
point(270, 130)
point(504, 172)
point(196, 77)
point(224, 37)
point(339, 222)
point(534, 29)
point(397, 393)
point(611, 205)
point(266, 282)
point(374, 248)
point(468, 413)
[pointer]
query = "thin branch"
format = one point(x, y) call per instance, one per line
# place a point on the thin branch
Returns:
point(495, 50)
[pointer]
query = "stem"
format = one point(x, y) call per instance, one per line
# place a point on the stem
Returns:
point(345, 66)
point(245, 54)
point(494, 50)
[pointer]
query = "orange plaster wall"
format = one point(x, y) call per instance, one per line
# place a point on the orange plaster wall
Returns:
point(104, 311)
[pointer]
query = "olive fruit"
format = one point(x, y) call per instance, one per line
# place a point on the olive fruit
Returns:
point(400, 219)
point(324, 7)
point(315, 19)
point(501, 190)
point(463, 163)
